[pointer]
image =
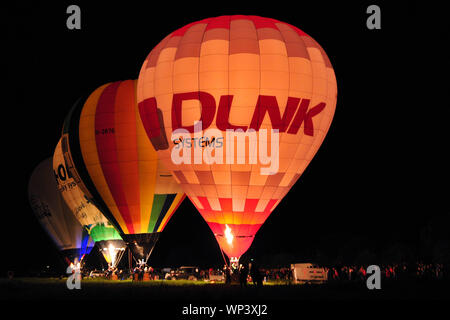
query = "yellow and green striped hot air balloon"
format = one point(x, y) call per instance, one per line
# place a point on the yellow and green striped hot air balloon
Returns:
point(109, 155)
point(106, 237)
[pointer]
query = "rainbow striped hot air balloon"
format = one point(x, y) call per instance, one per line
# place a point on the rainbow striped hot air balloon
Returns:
point(113, 162)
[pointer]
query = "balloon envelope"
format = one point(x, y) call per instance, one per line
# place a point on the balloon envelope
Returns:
point(106, 237)
point(118, 168)
point(54, 215)
point(238, 74)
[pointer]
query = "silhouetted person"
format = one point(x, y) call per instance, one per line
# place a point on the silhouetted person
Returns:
point(290, 276)
point(243, 274)
point(330, 274)
point(256, 276)
point(227, 275)
point(136, 272)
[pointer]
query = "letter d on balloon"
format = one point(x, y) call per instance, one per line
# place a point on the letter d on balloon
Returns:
point(374, 280)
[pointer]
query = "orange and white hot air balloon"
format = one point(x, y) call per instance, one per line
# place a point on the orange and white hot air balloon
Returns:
point(237, 106)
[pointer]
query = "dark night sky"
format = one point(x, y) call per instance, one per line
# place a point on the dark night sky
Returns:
point(378, 178)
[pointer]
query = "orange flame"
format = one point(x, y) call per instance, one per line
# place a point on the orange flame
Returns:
point(228, 235)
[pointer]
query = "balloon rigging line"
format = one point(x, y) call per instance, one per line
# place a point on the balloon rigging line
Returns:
point(223, 256)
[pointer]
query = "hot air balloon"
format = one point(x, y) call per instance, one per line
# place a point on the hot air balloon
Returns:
point(113, 162)
point(227, 90)
point(55, 216)
point(104, 234)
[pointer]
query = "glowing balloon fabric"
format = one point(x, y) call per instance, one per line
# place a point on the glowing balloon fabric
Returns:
point(238, 72)
point(54, 215)
point(85, 212)
point(118, 168)
point(106, 237)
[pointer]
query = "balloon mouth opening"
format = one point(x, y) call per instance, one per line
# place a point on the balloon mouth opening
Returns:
point(141, 244)
point(112, 250)
point(238, 246)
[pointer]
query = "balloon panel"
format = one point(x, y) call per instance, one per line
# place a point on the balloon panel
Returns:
point(85, 212)
point(238, 72)
point(82, 207)
point(103, 232)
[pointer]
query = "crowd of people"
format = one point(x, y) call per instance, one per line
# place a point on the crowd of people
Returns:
point(243, 273)
point(398, 271)
point(141, 272)
point(250, 272)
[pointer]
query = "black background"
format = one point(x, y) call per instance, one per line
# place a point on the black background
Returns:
point(377, 184)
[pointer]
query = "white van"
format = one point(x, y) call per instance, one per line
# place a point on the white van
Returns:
point(308, 273)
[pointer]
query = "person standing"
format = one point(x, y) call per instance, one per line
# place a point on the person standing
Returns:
point(227, 274)
point(254, 273)
point(243, 274)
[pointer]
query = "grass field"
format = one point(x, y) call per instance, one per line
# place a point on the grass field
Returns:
point(103, 299)
point(188, 291)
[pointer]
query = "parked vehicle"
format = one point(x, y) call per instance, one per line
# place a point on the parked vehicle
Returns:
point(216, 276)
point(308, 273)
point(185, 273)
